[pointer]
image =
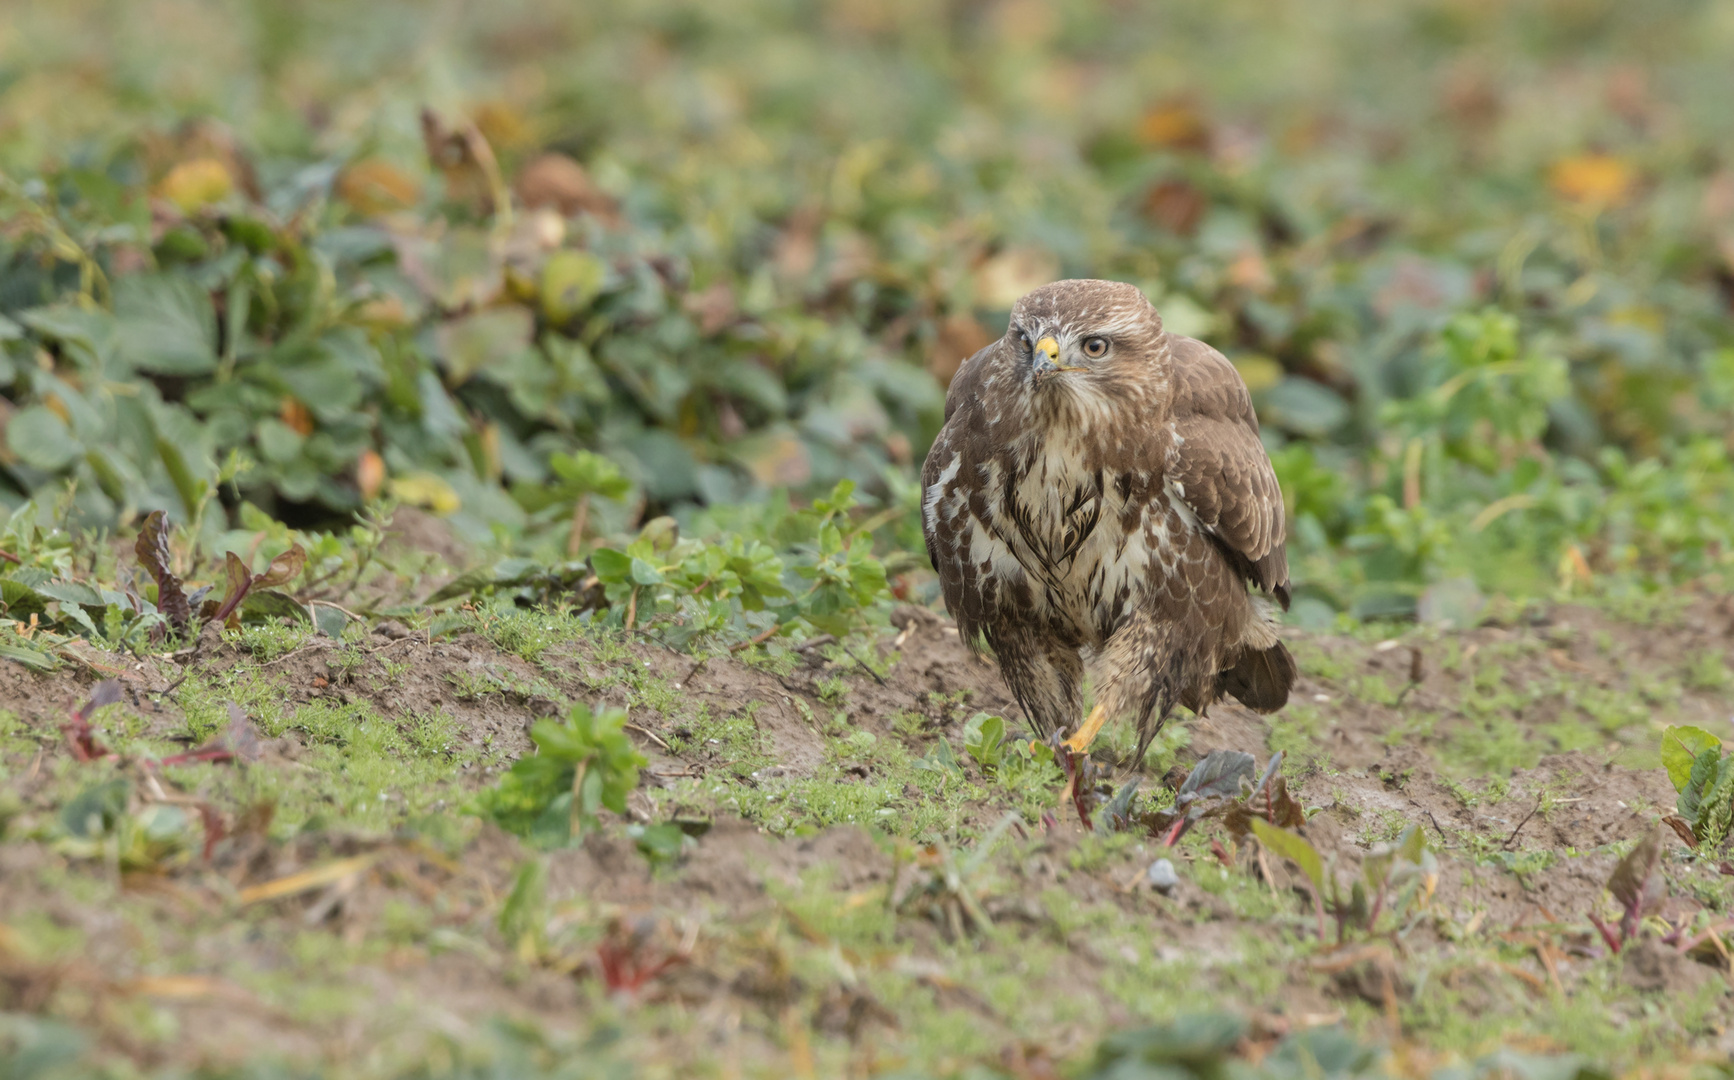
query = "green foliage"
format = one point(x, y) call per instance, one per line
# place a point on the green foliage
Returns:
point(580, 766)
point(1704, 778)
point(983, 740)
point(98, 823)
point(1470, 366)
point(688, 588)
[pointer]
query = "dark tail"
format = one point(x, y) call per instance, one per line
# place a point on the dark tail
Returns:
point(1261, 680)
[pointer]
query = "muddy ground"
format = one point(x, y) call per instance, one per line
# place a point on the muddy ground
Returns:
point(343, 912)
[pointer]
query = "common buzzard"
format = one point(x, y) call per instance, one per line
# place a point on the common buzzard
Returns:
point(1099, 492)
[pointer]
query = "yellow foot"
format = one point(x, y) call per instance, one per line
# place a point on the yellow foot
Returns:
point(1081, 739)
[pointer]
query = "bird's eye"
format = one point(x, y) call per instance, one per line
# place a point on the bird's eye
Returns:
point(1024, 341)
point(1095, 348)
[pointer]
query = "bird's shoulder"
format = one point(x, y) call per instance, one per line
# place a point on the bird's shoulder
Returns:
point(973, 380)
point(1206, 384)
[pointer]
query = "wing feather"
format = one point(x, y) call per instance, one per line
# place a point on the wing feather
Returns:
point(1220, 469)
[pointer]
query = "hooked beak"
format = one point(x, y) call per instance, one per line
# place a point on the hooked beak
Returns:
point(1045, 358)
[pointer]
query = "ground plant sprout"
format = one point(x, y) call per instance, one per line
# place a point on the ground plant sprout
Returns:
point(472, 604)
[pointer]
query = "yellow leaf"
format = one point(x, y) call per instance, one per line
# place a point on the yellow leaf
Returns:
point(1259, 372)
point(306, 880)
point(425, 489)
point(1003, 279)
point(376, 186)
point(195, 184)
point(296, 416)
point(1592, 179)
point(179, 987)
point(1177, 124)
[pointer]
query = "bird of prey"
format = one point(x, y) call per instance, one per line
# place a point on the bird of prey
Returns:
point(1099, 494)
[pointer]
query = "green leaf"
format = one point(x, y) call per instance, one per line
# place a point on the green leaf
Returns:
point(535, 798)
point(590, 473)
point(20, 600)
point(571, 281)
point(96, 810)
point(165, 324)
point(645, 574)
point(30, 658)
point(72, 592)
point(488, 337)
point(330, 621)
point(1294, 847)
point(661, 844)
point(939, 759)
point(983, 735)
point(611, 566)
point(41, 439)
point(278, 442)
point(1680, 749)
point(1698, 784)
point(264, 605)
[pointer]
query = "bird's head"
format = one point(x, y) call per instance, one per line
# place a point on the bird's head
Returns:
point(1083, 330)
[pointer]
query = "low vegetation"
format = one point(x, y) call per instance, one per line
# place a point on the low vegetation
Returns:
point(462, 604)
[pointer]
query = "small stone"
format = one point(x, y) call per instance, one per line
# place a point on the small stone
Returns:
point(1162, 877)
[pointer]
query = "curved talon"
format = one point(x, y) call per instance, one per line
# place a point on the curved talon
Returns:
point(1081, 739)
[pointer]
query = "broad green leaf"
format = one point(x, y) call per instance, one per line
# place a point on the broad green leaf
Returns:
point(330, 621)
point(571, 280)
point(939, 758)
point(21, 600)
point(264, 605)
point(30, 658)
point(41, 439)
point(1294, 847)
point(97, 809)
point(611, 565)
point(982, 735)
point(1680, 748)
point(488, 337)
point(165, 324)
point(72, 592)
point(591, 474)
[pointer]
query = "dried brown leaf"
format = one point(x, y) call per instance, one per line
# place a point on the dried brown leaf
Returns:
point(1682, 828)
point(283, 569)
point(240, 584)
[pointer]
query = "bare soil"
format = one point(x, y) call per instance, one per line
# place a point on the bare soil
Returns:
point(787, 953)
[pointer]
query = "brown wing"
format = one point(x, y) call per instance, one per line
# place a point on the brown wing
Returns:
point(958, 442)
point(1220, 468)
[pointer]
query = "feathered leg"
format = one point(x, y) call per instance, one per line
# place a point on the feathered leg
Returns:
point(1045, 676)
point(1146, 669)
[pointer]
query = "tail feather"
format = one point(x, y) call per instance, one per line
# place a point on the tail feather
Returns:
point(1261, 679)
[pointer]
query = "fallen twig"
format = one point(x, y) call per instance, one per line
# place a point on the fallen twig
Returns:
point(1513, 837)
point(649, 734)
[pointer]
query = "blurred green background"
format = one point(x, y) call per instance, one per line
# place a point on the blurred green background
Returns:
point(1475, 259)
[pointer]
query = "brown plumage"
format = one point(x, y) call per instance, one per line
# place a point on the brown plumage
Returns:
point(1099, 492)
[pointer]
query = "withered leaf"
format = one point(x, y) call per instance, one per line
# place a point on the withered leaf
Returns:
point(1283, 809)
point(240, 583)
point(106, 692)
point(1682, 828)
point(1637, 883)
point(283, 569)
point(242, 737)
point(152, 549)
